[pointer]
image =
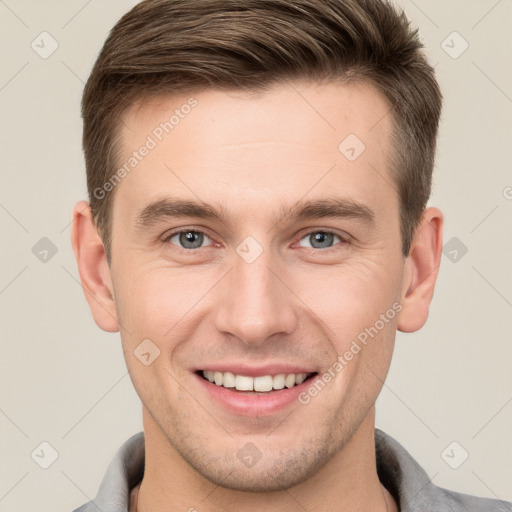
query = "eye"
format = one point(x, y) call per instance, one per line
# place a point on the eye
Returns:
point(321, 239)
point(187, 239)
point(190, 239)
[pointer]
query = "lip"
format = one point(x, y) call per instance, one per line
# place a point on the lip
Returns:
point(252, 405)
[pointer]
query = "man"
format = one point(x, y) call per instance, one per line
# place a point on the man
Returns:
point(258, 173)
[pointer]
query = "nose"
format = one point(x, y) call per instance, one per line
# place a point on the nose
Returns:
point(256, 302)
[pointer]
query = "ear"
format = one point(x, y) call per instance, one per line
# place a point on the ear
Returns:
point(93, 268)
point(421, 270)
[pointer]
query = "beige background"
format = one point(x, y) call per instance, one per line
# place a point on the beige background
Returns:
point(64, 381)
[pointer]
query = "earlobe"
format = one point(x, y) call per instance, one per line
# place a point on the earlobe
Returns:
point(421, 270)
point(93, 268)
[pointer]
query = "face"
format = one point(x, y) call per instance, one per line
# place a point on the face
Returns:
point(289, 260)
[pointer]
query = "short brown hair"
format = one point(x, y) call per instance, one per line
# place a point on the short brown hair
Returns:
point(163, 47)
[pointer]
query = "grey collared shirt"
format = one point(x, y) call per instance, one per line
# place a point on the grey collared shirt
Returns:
point(398, 471)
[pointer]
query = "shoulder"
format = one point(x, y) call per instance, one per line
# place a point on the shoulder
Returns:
point(413, 489)
point(123, 473)
point(444, 499)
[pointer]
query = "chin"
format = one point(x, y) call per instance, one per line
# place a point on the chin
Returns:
point(275, 470)
point(278, 477)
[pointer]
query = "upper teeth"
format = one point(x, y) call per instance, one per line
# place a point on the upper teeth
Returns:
point(263, 383)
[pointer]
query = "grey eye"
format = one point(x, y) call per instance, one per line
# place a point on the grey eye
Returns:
point(188, 239)
point(320, 239)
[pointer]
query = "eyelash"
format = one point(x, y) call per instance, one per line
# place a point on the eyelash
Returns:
point(343, 241)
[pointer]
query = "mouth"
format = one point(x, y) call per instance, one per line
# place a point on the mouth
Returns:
point(255, 385)
point(245, 390)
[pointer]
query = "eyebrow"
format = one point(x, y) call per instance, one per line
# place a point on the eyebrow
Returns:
point(330, 207)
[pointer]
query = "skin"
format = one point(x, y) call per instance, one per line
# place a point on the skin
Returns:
point(295, 303)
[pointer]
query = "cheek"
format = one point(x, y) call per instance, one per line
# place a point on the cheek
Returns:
point(155, 317)
point(153, 300)
point(348, 298)
point(160, 307)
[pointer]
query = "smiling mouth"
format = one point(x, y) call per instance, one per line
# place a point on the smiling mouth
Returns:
point(263, 384)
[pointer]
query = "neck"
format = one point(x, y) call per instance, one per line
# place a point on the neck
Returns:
point(348, 481)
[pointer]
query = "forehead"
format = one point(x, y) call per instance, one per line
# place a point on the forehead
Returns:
point(292, 140)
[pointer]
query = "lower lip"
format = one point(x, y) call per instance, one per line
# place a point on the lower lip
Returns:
point(254, 405)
